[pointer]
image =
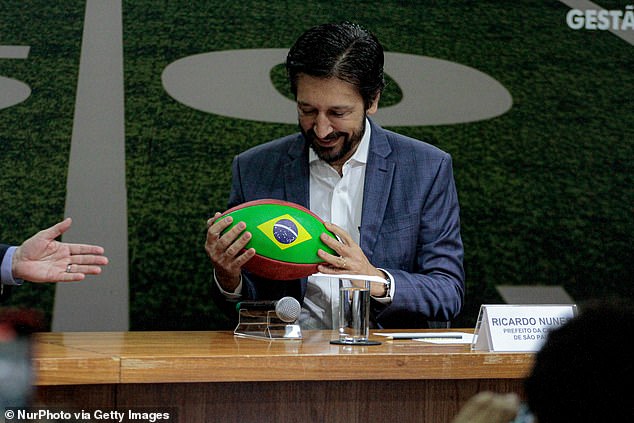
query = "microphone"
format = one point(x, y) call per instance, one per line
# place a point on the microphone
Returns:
point(287, 309)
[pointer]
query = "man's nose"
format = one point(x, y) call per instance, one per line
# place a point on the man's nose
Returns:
point(322, 126)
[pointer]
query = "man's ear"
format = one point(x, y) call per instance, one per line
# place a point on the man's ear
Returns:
point(375, 105)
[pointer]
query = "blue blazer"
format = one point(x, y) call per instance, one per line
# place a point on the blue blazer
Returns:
point(410, 224)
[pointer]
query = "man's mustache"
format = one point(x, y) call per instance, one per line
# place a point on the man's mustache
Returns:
point(329, 137)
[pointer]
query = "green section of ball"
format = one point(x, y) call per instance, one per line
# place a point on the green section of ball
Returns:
point(283, 233)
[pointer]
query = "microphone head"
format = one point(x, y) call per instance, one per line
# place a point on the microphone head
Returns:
point(288, 309)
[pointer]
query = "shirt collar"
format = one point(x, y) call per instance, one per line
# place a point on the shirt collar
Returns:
point(360, 156)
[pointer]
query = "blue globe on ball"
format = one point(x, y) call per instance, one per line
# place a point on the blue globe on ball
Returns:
point(285, 231)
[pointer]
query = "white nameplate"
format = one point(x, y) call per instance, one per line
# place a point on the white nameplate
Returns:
point(518, 328)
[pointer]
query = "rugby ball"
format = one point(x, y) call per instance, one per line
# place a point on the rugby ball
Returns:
point(285, 235)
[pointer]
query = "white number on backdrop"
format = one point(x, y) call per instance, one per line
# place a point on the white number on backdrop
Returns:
point(237, 83)
point(12, 91)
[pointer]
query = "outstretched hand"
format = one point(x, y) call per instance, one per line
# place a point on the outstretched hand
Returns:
point(43, 259)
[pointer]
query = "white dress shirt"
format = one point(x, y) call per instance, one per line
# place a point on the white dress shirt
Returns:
point(336, 199)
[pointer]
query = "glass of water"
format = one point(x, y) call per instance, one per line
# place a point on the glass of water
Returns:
point(354, 311)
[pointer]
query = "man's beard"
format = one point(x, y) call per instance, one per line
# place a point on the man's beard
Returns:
point(328, 154)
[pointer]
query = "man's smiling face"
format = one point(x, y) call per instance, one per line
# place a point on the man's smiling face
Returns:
point(331, 117)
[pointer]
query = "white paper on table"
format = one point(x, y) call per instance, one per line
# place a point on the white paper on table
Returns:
point(353, 277)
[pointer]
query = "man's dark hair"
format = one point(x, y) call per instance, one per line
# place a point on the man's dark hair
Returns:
point(345, 51)
point(584, 371)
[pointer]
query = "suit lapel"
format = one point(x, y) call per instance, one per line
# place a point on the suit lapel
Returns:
point(296, 177)
point(379, 175)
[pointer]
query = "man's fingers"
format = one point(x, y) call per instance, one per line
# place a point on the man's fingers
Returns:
point(237, 246)
point(85, 270)
point(88, 259)
point(216, 229)
point(58, 229)
point(85, 249)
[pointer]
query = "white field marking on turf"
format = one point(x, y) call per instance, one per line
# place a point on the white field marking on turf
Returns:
point(12, 91)
point(14, 52)
point(95, 189)
point(627, 36)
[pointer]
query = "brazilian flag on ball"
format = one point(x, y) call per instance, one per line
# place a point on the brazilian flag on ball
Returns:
point(282, 231)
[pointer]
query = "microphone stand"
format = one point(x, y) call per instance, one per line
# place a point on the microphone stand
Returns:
point(265, 324)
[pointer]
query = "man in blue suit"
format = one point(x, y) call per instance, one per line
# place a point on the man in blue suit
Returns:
point(391, 199)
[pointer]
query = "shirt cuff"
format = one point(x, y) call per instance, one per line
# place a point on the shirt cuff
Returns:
point(6, 273)
point(236, 294)
point(390, 293)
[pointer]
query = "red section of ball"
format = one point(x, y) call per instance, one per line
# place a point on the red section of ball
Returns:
point(279, 270)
